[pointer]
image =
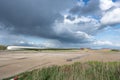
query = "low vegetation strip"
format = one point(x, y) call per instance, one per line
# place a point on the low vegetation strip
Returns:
point(2, 47)
point(76, 71)
point(115, 50)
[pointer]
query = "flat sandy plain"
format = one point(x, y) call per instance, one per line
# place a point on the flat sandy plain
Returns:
point(15, 62)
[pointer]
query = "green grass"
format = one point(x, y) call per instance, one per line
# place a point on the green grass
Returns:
point(76, 71)
point(2, 47)
point(115, 50)
point(54, 50)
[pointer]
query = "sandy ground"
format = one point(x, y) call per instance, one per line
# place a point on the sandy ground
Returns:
point(15, 62)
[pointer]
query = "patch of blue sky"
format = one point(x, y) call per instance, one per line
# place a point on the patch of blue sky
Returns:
point(109, 34)
point(114, 0)
point(117, 26)
point(86, 1)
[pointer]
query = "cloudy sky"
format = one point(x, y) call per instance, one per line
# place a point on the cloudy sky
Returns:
point(60, 23)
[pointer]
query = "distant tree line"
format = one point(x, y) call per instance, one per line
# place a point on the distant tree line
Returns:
point(116, 50)
point(2, 47)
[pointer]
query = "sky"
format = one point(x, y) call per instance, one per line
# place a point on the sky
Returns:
point(60, 23)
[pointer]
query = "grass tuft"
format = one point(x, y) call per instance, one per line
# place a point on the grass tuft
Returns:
point(77, 71)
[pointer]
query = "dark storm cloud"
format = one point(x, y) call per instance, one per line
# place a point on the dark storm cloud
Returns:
point(92, 7)
point(32, 17)
point(68, 37)
point(70, 18)
point(37, 18)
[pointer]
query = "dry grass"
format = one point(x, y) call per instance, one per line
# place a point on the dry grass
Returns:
point(76, 71)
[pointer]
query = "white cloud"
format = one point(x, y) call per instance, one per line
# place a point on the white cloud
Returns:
point(75, 31)
point(71, 32)
point(106, 4)
point(83, 34)
point(106, 43)
point(102, 43)
point(111, 17)
point(80, 3)
point(85, 24)
point(77, 19)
